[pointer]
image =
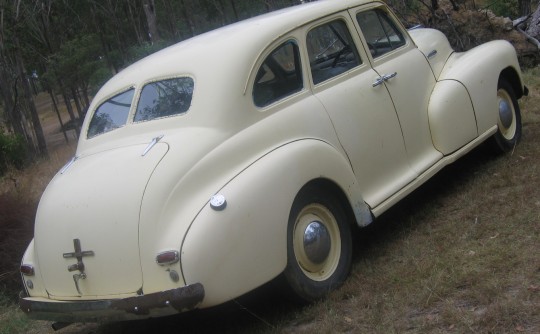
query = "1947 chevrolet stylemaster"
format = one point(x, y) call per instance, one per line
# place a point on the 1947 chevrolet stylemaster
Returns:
point(209, 168)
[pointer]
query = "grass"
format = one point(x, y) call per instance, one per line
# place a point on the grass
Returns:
point(460, 255)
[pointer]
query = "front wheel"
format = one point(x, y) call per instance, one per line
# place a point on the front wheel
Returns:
point(319, 245)
point(509, 118)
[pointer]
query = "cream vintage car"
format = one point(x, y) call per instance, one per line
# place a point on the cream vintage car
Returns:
point(210, 168)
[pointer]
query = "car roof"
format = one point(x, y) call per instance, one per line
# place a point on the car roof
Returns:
point(236, 45)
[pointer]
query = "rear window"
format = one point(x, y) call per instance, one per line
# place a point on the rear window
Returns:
point(164, 98)
point(158, 99)
point(111, 114)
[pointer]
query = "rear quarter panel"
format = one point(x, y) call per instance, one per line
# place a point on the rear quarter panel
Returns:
point(243, 246)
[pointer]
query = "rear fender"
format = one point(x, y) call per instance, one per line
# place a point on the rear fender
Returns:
point(243, 246)
point(479, 70)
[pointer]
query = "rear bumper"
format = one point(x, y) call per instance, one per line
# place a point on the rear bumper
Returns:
point(138, 307)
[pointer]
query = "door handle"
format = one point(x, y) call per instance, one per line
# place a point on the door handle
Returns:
point(387, 77)
point(384, 78)
point(378, 81)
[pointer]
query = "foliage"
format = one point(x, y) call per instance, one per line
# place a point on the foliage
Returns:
point(506, 8)
point(13, 151)
point(98, 78)
point(137, 52)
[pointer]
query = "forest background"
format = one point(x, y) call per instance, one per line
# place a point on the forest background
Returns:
point(68, 49)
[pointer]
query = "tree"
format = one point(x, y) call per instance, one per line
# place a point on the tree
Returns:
point(533, 29)
point(17, 93)
point(150, 12)
point(524, 7)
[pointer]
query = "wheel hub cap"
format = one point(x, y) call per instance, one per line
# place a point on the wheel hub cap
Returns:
point(505, 114)
point(317, 242)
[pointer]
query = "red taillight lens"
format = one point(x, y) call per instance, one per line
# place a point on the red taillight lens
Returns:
point(27, 270)
point(168, 257)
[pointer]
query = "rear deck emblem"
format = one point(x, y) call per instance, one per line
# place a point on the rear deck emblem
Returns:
point(78, 254)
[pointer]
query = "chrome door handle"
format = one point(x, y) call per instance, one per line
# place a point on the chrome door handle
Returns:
point(384, 78)
point(432, 54)
point(387, 77)
point(379, 81)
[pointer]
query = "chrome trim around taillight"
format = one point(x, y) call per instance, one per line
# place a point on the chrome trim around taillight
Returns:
point(27, 270)
point(167, 257)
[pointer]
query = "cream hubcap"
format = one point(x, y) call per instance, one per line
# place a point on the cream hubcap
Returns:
point(317, 242)
point(507, 115)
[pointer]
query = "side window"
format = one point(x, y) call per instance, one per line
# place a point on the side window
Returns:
point(279, 76)
point(381, 33)
point(111, 114)
point(164, 98)
point(331, 51)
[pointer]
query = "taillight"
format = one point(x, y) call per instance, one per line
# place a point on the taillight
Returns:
point(168, 257)
point(27, 269)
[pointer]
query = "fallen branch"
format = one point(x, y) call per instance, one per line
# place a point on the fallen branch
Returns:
point(521, 20)
point(529, 37)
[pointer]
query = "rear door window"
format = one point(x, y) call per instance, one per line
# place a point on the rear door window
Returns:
point(279, 76)
point(331, 51)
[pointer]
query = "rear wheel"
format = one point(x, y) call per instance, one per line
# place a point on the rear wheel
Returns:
point(319, 245)
point(509, 118)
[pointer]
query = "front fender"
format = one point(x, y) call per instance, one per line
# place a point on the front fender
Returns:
point(479, 70)
point(451, 117)
point(243, 246)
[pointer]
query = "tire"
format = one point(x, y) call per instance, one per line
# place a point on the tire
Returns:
point(318, 261)
point(509, 118)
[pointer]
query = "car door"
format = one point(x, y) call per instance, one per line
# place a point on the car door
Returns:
point(404, 71)
point(363, 116)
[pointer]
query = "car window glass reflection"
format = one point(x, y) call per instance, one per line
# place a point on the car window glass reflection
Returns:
point(164, 98)
point(331, 51)
point(111, 114)
point(381, 34)
point(279, 76)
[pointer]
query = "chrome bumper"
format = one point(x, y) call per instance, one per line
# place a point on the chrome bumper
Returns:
point(138, 307)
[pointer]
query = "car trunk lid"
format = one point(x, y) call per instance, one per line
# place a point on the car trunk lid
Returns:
point(86, 234)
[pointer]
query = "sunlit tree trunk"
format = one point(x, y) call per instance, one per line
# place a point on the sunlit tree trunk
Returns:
point(150, 12)
point(534, 27)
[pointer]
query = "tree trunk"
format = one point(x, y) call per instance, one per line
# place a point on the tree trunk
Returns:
point(104, 46)
point(38, 130)
point(235, 12)
point(55, 107)
point(534, 27)
point(77, 103)
point(134, 23)
point(13, 118)
point(69, 108)
point(524, 7)
point(187, 18)
point(150, 12)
